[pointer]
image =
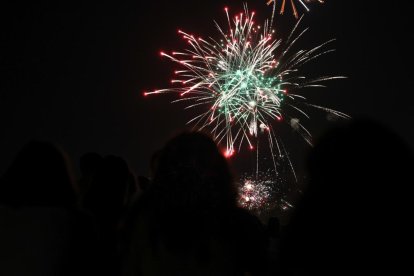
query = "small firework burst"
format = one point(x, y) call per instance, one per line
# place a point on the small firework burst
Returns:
point(263, 192)
point(255, 195)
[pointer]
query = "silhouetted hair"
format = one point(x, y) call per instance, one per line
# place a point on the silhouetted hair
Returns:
point(39, 176)
point(362, 151)
point(192, 172)
point(355, 206)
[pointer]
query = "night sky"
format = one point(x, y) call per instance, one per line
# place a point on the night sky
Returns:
point(75, 73)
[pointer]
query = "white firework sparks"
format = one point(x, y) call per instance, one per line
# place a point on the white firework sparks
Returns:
point(255, 195)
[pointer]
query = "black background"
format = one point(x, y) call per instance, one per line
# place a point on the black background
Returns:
point(75, 73)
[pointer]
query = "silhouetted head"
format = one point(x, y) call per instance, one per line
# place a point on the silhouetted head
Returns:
point(192, 173)
point(360, 153)
point(356, 204)
point(362, 162)
point(39, 176)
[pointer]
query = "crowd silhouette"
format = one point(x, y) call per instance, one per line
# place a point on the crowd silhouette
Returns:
point(183, 219)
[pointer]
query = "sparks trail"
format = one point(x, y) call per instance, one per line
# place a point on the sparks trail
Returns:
point(303, 4)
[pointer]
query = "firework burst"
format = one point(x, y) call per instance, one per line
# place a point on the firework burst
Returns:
point(255, 195)
point(260, 193)
point(243, 83)
point(302, 3)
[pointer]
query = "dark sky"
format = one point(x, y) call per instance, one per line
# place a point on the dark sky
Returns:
point(74, 73)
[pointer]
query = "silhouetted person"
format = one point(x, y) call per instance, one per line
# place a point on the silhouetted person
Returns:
point(107, 199)
point(273, 227)
point(355, 217)
point(89, 163)
point(274, 236)
point(188, 222)
point(41, 232)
